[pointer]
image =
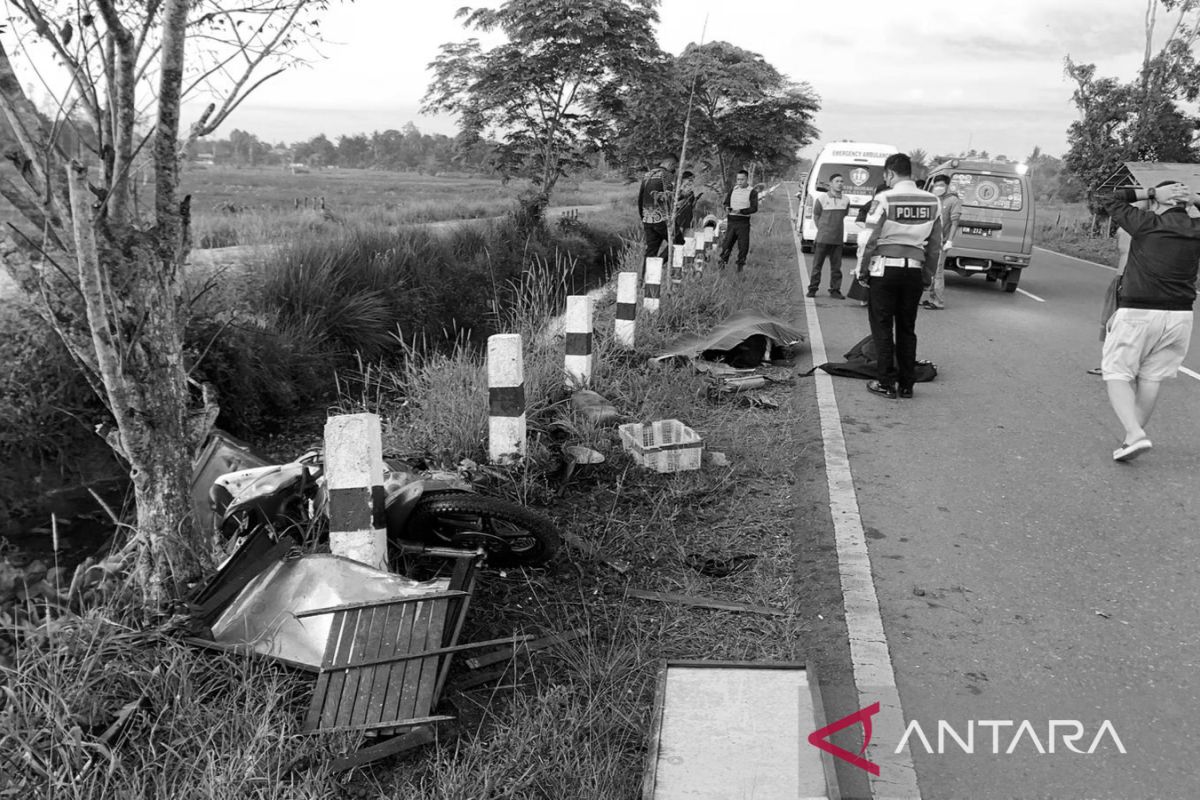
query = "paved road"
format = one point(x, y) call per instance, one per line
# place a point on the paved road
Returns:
point(1022, 575)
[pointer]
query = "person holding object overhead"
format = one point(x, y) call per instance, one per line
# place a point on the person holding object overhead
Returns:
point(740, 203)
point(1147, 337)
point(829, 215)
point(904, 229)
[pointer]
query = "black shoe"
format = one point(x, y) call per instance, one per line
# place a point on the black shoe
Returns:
point(812, 293)
point(883, 390)
point(905, 393)
point(837, 293)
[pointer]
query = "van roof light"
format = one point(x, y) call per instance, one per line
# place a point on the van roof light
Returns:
point(1022, 169)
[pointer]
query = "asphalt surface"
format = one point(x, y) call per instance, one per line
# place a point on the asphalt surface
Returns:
point(1021, 573)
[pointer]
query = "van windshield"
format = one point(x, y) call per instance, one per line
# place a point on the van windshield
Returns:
point(987, 191)
point(860, 179)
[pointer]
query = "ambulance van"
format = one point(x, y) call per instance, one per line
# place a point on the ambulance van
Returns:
point(861, 166)
point(995, 231)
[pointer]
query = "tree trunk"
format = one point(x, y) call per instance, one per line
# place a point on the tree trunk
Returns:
point(139, 355)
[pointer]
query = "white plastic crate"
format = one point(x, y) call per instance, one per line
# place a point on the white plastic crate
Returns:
point(664, 446)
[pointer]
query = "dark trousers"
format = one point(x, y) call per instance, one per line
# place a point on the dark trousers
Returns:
point(894, 299)
point(656, 235)
point(738, 230)
point(834, 253)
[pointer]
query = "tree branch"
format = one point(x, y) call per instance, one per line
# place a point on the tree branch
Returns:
point(166, 144)
point(125, 106)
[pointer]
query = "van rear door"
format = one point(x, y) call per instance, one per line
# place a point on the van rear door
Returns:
point(995, 216)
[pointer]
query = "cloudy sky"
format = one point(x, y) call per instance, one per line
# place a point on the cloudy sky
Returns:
point(942, 75)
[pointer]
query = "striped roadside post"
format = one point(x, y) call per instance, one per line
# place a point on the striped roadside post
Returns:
point(626, 308)
point(354, 481)
point(578, 361)
point(689, 251)
point(677, 252)
point(653, 288)
point(506, 398)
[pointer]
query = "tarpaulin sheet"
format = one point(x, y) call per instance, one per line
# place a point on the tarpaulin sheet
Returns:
point(736, 328)
point(264, 614)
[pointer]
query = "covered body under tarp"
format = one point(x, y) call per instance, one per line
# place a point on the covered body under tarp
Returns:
point(738, 339)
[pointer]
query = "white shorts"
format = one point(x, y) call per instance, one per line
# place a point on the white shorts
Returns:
point(1145, 344)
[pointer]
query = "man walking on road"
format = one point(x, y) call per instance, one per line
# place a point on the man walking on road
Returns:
point(1148, 335)
point(902, 250)
point(829, 215)
point(740, 203)
point(654, 205)
point(951, 213)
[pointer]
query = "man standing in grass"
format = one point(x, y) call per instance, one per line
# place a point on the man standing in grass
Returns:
point(654, 206)
point(1149, 333)
point(951, 213)
point(829, 215)
point(740, 203)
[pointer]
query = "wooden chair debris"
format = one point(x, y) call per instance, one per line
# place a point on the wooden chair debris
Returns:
point(386, 661)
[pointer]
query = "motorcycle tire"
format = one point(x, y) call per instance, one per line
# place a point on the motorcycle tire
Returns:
point(510, 534)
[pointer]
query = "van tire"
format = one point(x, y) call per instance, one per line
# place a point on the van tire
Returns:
point(1011, 280)
point(806, 247)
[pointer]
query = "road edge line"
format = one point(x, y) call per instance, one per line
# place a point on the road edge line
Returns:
point(1075, 258)
point(870, 657)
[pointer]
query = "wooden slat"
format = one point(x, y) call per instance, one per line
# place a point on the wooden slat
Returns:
point(429, 666)
point(412, 674)
point(368, 675)
point(383, 675)
point(328, 684)
point(390, 747)
point(398, 672)
point(345, 711)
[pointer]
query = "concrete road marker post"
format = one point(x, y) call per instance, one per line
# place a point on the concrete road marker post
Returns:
point(506, 398)
point(354, 480)
point(653, 288)
point(578, 362)
point(626, 323)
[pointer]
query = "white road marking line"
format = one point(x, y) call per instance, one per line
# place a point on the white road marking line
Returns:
point(1030, 294)
point(874, 675)
point(1073, 258)
point(1189, 373)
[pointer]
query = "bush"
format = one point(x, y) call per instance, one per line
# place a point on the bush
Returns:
point(270, 342)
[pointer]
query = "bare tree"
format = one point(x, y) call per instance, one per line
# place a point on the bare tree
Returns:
point(108, 272)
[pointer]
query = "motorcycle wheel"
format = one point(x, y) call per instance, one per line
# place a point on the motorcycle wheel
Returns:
point(510, 534)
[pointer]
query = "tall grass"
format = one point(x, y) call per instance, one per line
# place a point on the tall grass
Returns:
point(92, 709)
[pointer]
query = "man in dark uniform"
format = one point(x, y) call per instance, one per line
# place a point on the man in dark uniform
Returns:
point(904, 229)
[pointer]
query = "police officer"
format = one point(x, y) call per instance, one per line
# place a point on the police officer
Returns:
point(897, 263)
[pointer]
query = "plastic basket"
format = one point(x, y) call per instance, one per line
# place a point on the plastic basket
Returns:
point(664, 446)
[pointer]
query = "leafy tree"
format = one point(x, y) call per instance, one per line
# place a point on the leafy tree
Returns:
point(745, 112)
point(1140, 120)
point(541, 91)
point(108, 270)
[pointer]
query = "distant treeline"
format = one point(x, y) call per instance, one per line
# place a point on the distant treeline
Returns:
point(404, 150)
